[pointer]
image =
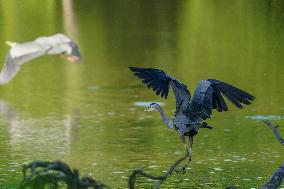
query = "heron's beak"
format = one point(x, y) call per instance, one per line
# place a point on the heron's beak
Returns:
point(71, 58)
point(150, 109)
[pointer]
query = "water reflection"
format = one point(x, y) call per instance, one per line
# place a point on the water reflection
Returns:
point(69, 21)
point(48, 135)
point(146, 104)
point(265, 117)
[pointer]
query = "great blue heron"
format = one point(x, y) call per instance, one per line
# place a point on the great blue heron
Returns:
point(191, 112)
point(23, 52)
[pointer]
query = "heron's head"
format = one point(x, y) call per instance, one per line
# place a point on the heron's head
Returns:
point(153, 107)
point(73, 53)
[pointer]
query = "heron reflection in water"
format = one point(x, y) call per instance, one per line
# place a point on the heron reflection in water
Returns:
point(20, 53)
point(36, 133)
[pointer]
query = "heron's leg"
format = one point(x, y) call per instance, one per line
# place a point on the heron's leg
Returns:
point(183, 169)
point(182, 137)
point(190, 152)
point(190, 147)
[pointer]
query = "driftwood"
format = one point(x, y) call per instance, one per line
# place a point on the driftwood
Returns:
point(276, 179)
point(160, 179)
point(50, 174)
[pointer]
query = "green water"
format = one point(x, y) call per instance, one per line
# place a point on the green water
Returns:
point(86, 115)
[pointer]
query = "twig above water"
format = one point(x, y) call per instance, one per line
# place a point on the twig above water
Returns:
point(276, 179)
point(275, 131)
point(160, 179)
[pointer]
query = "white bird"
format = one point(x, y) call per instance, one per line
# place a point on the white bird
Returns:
point(20, 53)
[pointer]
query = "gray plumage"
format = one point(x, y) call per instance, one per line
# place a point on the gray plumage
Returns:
point(21, 53)
point(191, 112)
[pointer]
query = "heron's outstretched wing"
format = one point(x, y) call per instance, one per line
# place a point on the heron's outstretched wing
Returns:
point(159, 81)
point(24, 52)
point(14, 62)
point(209, 95)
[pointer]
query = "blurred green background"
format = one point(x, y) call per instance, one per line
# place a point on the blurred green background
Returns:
point(87, 115)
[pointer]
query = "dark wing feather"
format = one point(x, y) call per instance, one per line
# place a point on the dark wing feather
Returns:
point(159, 81)
point(153, 78)
point(202, 102)
point(209, 95)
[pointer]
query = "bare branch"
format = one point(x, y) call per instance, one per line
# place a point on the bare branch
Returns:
point(275, 180)
point(44, 174)
point(275, 131)
point(160, 179)
point(277, 177)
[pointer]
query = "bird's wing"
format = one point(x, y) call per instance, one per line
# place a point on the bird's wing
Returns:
point(159, 81)
point(19, 54)
point(209, 95)
point(60, 44)
point(23, 52)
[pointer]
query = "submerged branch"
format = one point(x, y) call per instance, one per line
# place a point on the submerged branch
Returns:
point(278, 176)
point(160, 179)
point(275, 180)
point(44, 174)
point(275, 131)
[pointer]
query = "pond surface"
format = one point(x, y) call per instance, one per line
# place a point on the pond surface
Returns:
point(91, 115)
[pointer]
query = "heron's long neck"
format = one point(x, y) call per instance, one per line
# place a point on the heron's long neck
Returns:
point(165, 119)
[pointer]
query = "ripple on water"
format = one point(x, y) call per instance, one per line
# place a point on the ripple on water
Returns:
point(212, 159)
point(209, 183)
point(227, 160)
point(93, 88)
point(152, 166)
point(145, 104)
point(118, 172)
point(265, 117)
point(177, 152)
point(247, 179)
point(218, 169)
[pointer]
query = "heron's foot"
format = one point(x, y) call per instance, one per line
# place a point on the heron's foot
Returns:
point(183, 169)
